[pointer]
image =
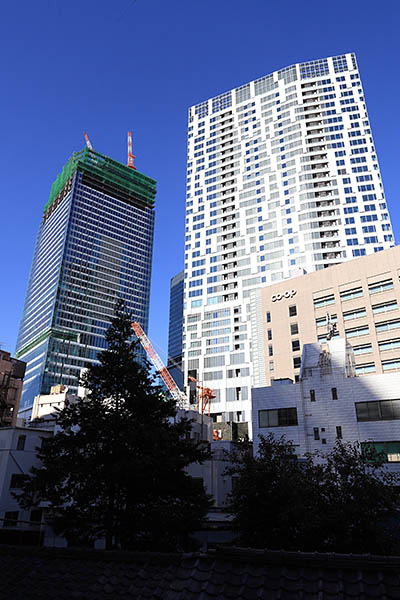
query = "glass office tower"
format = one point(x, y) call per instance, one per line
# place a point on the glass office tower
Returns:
point(94, 246)
point(175, 328)
point(282, 179)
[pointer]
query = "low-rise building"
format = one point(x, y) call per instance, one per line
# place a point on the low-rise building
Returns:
point(18, 447)
point(331, 402)
point(12, 372)
point(45, 405)
point(360, 297)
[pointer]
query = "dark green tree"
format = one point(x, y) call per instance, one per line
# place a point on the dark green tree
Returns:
point(340, 502)
point(116, 467)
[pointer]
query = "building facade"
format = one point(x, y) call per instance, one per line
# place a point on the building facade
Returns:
point(12, 372)
point(282, 178)
point(94, 246)
point(358, 300)
point(175, 328)
point(18, 446)
point(331, 402)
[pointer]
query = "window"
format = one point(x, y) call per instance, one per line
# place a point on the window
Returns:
point(292, 311)
point(381, 410)
point(354, 314)
point(295, 345)
point(334, 393)
point(270, 350)
point(365, 369)
point(17, 480)
point(268, 315)
point(389, 344)
point(388, 451)
point(294, 329)
point(10, 519)
point(387, 325)
point(351, 294)
point(380, 286)
point(356, 331)
point(384, 307)
point(312, 395)
point(279, 417)
point(391, 365)
point(21, 442)
point(339, 434)
point(296, 362)
point(364, 349)
point(36, 515)
point(316, 433)
point(324, 301)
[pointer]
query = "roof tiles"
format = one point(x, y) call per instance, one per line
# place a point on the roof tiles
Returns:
point(226, 574)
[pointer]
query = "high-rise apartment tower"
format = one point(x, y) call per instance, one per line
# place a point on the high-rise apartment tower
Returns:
point(94, 246)
point(282, 178)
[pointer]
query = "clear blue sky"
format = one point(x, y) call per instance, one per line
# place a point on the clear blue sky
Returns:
point(107, 67)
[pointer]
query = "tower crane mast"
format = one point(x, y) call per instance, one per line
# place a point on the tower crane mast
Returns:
point(131, 157)
point(88, 144)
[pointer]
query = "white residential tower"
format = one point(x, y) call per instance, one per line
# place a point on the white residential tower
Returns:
point(282, 179)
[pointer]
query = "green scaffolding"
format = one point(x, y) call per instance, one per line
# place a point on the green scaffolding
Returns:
point(110, 173)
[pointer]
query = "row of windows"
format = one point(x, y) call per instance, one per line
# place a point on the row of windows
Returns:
point(373, 288)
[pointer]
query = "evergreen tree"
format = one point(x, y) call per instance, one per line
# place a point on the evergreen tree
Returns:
point(116, 467)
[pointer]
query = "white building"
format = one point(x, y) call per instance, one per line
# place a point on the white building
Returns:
point(330, 402)
point(18, 446)
point(282, 178)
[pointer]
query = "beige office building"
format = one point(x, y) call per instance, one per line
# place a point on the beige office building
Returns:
point(361, 300)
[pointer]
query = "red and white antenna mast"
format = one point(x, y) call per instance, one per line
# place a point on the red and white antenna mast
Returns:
point(131, 157)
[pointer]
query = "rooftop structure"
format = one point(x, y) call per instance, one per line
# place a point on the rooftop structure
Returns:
point(330, 402)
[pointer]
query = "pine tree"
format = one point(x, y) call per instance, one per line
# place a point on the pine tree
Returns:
point(116, 467)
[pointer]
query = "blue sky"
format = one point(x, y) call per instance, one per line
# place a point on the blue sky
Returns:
point(109, 67)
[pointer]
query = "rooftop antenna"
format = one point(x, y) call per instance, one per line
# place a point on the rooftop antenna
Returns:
point(332, 329)
point(131, 157)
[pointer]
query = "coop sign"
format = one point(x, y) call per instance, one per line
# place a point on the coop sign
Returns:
point(287, 294)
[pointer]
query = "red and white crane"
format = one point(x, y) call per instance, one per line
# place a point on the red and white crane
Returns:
point(180, 397)
point(88, 144)
point(206, 394)
point(131, 157)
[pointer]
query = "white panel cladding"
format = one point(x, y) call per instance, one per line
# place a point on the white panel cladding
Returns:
point(282, 175)
point(326, 400)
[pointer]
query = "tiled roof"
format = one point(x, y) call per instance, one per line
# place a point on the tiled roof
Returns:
point(239, 574)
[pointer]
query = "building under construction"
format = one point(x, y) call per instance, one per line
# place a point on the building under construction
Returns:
point(94, 246)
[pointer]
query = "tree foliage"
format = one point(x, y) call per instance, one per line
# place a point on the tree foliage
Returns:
point(116, 467)
point(340, 502)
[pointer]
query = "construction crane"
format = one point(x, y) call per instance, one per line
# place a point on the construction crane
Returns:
point(205, 397)
point(179, 396)
point(88, 144)
point(131, 157)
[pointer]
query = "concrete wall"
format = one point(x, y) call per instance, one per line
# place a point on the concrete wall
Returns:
point(326, 413)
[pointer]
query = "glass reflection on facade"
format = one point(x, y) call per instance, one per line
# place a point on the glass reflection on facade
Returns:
point(175, 328)
point(94, 246)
